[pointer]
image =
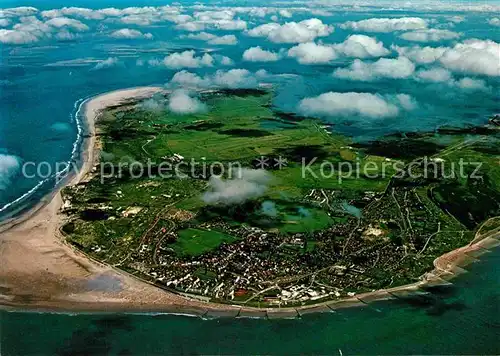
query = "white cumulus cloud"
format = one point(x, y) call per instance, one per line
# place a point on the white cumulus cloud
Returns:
point(407, 102)
point(481, 57)
point(422, 55)
point(180, 102)
point(474, 56)
point(234, 78)
point(472, 84)
point(213, 39)
point(495, 21)
point(245, 185)
point(386, 24)
point(227, 40)
point(430, 35)
point(9, 166)
point(67, 22)
point(361, 46)
point(257, 54)
point(398, 68)
point(292, 32)
point(435, 75)
point(188, 59)
point(17, 37)
point(312, 53)
point(127, 33)
point(107, 63)
point(4, 22)
point(354, 104)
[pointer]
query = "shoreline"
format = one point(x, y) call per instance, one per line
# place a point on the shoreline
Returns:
point(42, 272)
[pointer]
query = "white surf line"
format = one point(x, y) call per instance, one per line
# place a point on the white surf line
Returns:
point(79, 104)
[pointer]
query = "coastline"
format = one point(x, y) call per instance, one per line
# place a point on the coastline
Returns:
point(41, 272)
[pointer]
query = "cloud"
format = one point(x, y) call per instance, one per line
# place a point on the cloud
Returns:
point(220, 20)
point(435, 75)
point(234, 78)
point(191, 26)
point(201, 36)
point(65, 35)
point(213, 39)
point(227, 40)
point(407, 102)
point(9, 167)
point(472, 84)
point(187, 59)
point(156, 103)
point(247, 184)
point(214, 15)
point(355, 104)
point(285, 13)
point(230, 25)
point(30, 30)
point(225, 61)
point(398, 68)
point(473, 56)
point(312, 53)
point(386, 24)
point(67, 22)
point(4, 22)
point(190, 80)
point(17, 37)
point(495, 21)
point(107, 63)
point(180, 102)
point(61, 127)
point(442, 75)
point(85, 13)
point(127, 33)
point(430, 35)
point(421, 55)
point(292, 32)
point(257, 54)
point(18, 11)
point(79, 62)
point(146, 16)
point(361, 46)
point(456, 19)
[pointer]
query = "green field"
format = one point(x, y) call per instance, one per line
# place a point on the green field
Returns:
point(195, 242)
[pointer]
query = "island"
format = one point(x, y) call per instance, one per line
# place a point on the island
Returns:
point(245, 209)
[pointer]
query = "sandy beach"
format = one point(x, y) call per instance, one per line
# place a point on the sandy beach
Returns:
point(40, 271)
